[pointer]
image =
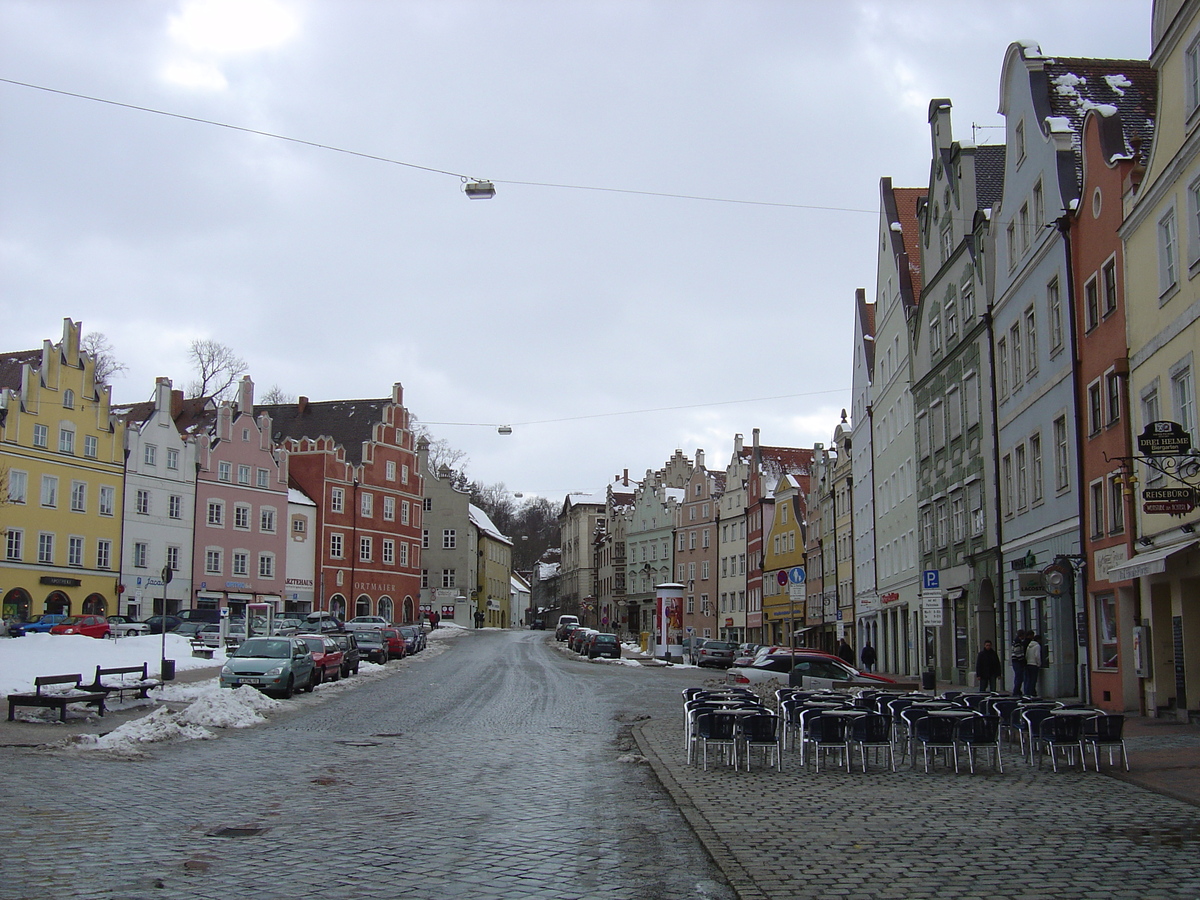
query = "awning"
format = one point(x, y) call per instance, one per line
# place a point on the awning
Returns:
point(800, 631)
point(1150, 563)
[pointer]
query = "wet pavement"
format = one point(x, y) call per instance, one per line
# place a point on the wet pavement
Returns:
point(506, 767)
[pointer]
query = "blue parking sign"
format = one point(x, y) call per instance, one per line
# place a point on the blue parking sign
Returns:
point(930, 580)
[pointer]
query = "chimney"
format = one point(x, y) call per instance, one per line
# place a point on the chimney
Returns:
point(625, 478)
point(302, 405)
point(176, 404)
point(737, 444)
point(246, 395)
point(699, 458)
point(757, 451)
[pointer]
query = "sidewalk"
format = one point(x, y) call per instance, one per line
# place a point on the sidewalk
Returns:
point(81, 721)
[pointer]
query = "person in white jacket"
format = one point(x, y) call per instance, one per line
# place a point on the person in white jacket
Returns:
point(1033, 665)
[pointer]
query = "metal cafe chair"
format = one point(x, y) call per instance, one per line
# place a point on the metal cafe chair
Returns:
point(872, 730)
point(980, 733)
point(720, 731)
point(764, 731)
point(1105, 731)
point(937, 733)
point(1061, 732)
point(822, 733)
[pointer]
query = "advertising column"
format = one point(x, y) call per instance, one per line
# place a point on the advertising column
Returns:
point(668, 620)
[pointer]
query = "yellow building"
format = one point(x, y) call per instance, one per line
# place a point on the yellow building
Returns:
point(783, 550)
point(61, 482)
point(494, 575)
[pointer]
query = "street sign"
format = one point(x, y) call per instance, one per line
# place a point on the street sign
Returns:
point(781, 577)
point(932, 616)
point(931, 599)
point(931, 580)
point(1164, 439)
point(1171, 507)
point(1175, 501)
point(1179, 493)
point(796, 575)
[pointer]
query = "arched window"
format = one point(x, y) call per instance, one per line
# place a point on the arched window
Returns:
point(362, 606)
point(68, 399)
point(387, 608)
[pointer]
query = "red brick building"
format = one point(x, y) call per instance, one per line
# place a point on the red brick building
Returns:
point(357, 460)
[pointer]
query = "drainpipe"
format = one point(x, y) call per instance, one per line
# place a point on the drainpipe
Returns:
point(1002, 598)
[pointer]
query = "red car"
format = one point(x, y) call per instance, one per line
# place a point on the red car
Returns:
point(92, 626)
point(327, 657)
point(397, 645)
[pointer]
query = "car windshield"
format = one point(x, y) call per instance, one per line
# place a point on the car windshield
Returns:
point(370, 638)
point(71, 620)
point(265, 649)
point(718, 645)
point(606, 639)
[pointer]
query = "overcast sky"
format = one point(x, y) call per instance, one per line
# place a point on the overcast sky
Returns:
point(562, 312)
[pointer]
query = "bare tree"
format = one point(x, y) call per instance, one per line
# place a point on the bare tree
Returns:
point(276, 396)
point(100, 349)
point(217, 368)
point(441, 453)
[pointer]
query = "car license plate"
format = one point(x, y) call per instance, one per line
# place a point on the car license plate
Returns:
point(249, 680)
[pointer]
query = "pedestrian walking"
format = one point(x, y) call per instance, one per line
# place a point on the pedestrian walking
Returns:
point(1018, 662)
point(845, 652)
point(988, 667)
point(868, 657)
point(434, 618)
point(479, 618)
point(1033, 664)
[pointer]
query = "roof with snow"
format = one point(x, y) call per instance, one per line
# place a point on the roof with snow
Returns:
point(12, 364)
point(483, 522)
point(297, 496)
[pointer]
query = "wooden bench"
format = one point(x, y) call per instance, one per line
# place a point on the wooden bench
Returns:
point(141, 682)
point(56, 699)
point(201, 650)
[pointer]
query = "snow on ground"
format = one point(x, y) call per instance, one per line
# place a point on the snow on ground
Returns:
point(192, 709)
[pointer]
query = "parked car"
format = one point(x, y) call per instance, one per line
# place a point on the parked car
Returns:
point(190, 628)
point(567, 630)
point(606, 645)
point(126, 626)
point(372, 646)
point(322, 623)
point(414, 637)
point(396, 643)
point(538, 625)
point(156, 624)
point(367, 622)
point(715, 653)
point(210, 635)
point(808, 663)
point(578, 636)
point(287, 626)
point(350, 654)
point(326, 656)
point(40, 625)
point(560, 630)
point(279, 665)
point(209, 616)
point(92, 626)
point(690, 646)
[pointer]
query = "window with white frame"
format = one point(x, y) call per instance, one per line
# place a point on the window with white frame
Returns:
point(1095, 408)
point(216, 513)
point(142, 503)
point(266, 565)
point(150, 455)
point(935, 335)
point(449, 539)
point(389, 509)
point(75, 551)
point(405, 512)
point(950, 310)
point(1116, 504)
point(448, 578)
point(1062, 458)
point(91, 446)
point(1006, 470)
point(66, 440)
point(266, 520)
point(140, 552)
point(1021, 466)
point(224, 471)
point(1018, 368)
point(173, 558)
point(387, 551)
point(108, 497)
point(49, 490)
point(262, 478)
point(942, 532)
point(1002, 358)
point(390, 470)
point(103, 554)
point(404, 474)
point(241, 516)
point(1091, 303)
point(335, 545)
point(239, 562)
point(18, 486)
point(1112, 382)
point(1109, 276)
point(1035, 467)
point(337, 500)
point(172, 459)
point(1191, 77)
point(366, 504)
point(212, 561)
point(78, 496)
point(364, 548)
point(243, 475)
point(1183, 397)
point(1054, 310)
point(1168, 252)
point(1039, 205)
point(968, 304)
point(1011, 242)
point(958, 518)
point(1096, 507)
point(175, 506)
point(41, 436)
point(46, 548)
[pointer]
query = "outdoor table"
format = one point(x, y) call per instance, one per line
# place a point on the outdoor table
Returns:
point(933, 704)
point(1086, 713)
point(844, 713)
point(953, 713)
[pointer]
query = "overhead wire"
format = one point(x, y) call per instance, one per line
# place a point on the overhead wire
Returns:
point(396, 162)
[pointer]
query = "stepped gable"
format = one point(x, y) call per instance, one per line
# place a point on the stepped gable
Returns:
point(350, 423)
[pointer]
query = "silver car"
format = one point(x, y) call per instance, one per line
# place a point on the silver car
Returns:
point(274, 665)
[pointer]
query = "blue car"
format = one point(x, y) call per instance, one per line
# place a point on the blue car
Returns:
point(41, 625)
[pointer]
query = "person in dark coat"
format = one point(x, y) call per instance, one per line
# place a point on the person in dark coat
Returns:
point(988, 668)
point(845, 652)
point(868, 657)
point(1018, 662)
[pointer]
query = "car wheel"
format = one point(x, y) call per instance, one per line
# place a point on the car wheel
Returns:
point(355, 668)
point(318, 676)
point(290, 689)
point(308, 686)
point(337, 675)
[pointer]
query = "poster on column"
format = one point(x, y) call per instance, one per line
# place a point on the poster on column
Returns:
point(669, 619)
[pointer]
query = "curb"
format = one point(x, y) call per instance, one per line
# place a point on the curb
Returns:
point(737, 876)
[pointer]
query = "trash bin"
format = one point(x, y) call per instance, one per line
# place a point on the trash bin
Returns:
point(168, 670)
point(928, 680)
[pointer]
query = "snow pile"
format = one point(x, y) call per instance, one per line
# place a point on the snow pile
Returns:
point(160, 726)
point(228, 708)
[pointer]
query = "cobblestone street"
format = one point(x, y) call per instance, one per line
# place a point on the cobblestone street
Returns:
point(504, 767)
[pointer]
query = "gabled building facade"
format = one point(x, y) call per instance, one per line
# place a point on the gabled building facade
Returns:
point(952, 398)
point(357, 459)
point(862, 492)
point(62, 480)
point(493, 590)
point(731, 547)
point(696, 549)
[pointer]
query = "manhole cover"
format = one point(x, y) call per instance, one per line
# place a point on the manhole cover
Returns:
point(358, 743)
point(236, 831)
point(389, 734)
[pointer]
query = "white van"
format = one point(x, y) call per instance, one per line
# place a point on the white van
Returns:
point(563, 622)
